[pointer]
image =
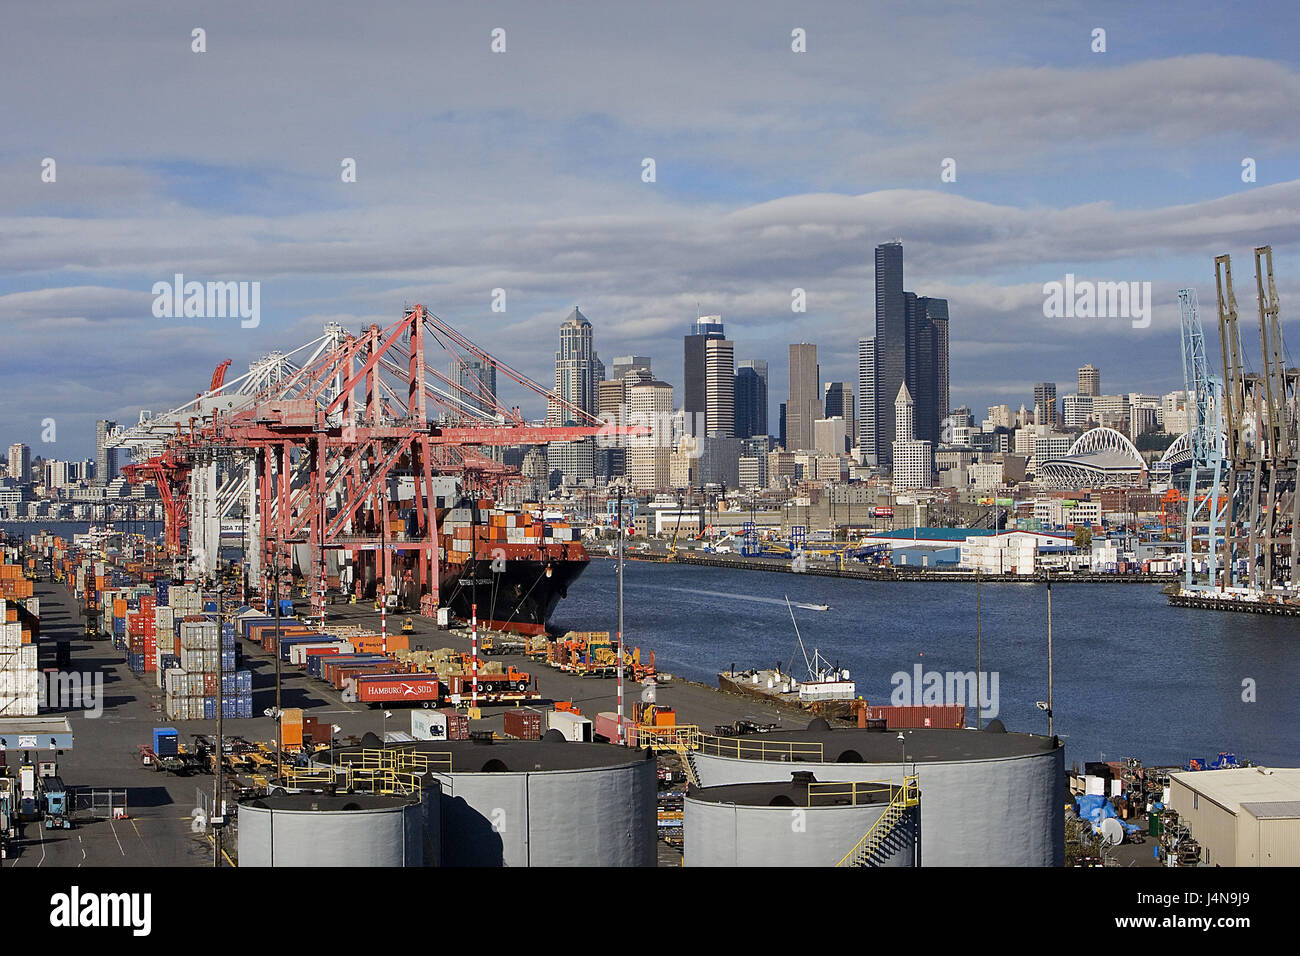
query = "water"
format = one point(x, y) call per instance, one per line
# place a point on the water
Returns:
point(1133, 676)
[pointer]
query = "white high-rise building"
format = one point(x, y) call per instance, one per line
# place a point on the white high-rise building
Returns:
point(720, 387)
point(829, 435)
point(1078, 410)
point(20, 463)
point(913, 460)
point(649, 457)
point(867, 402)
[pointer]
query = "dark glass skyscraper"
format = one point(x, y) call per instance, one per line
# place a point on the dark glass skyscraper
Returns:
point(911, 347)
point(751, 398)
point(891, 344)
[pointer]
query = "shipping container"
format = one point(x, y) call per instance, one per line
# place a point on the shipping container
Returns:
point(523, 723)
point(398, 689)
point(949, 716)
point(574, 726)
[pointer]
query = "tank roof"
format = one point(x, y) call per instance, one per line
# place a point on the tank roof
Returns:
point(523, 756)
point(327, 803)
point(796, 793)
point(921, 745)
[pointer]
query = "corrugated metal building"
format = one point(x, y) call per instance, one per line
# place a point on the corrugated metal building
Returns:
point(1243, 817)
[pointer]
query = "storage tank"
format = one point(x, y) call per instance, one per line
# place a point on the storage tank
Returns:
point(990, 798)
point(801, 822)
point(543, 803)
point(354, 829)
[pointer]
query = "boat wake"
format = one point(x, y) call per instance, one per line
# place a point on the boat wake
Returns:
point(734, 597)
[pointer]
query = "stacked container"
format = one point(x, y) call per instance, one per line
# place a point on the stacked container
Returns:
point(19, 669)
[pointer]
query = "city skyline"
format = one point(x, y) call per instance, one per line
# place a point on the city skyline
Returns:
point(784, 178)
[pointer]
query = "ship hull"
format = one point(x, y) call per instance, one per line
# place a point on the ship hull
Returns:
point(520, 597)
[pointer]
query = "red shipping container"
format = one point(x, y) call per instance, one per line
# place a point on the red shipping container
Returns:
point(209, 685)
point(949, 716)
point(418, 689)
point(523, 723)
point(457, 724)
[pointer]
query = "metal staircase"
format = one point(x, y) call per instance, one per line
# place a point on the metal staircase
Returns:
point(906, 797)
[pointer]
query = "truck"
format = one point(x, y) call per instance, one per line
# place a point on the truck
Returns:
point(575, 727)
point(55, 805)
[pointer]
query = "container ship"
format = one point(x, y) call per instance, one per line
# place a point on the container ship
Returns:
point(515, 567)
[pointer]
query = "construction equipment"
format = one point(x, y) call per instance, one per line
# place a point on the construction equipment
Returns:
point(1260, 546)
point(408, 627)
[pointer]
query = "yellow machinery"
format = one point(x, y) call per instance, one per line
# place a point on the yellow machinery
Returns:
point(409, 626)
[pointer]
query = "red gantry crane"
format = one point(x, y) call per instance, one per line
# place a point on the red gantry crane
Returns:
point(325, 453)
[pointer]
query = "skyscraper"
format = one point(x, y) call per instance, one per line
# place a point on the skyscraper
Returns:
point(751, 398)
point(805, 403)
point(105, 458)
point(867, 401)
point(577, 370)
point(720, 387)
point(695, 397)
point(630, 363)
point(910, 347)
point(1089, 381)
point(649, 456)
point(20, 463)
point(891, 345)
point(1045, 408)
point(838, 403)
point(913, 459)
point(478, 384)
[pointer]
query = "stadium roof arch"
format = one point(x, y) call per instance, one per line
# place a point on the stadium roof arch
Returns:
point(1100, 457)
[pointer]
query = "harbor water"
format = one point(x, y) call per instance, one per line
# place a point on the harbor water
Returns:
point(1133, 676)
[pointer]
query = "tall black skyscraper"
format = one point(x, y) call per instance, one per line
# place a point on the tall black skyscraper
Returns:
point(695, 394)
point(911, 347)
point(891, 344)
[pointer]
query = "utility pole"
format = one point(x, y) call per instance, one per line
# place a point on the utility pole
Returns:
point(279, 714)
point(979, 671)
point(218, 804)
point(1050, 726)
point(620, 613)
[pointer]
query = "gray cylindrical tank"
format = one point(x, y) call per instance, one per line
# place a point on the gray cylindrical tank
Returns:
point(775, 824)
point(534, 803)
point(312, 829)
point(987, 799)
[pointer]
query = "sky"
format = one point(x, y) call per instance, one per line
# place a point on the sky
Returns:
point(523, 170)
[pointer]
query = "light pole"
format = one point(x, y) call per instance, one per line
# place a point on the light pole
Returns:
point(902, 767)
point(620, 613)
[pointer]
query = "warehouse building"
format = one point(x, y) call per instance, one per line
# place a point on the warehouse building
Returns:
point(1243, 817)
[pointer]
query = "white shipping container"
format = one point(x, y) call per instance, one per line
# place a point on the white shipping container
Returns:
point(575, 727)
point(428, 725)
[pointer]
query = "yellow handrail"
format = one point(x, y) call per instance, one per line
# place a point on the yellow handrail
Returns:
point(908, 795)
point(854, 792)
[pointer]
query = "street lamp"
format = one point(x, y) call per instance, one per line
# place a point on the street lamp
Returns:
point(387, 714)
point(902, 767)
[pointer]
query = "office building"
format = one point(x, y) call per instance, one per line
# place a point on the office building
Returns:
point(1089, 381)
point(912, 459)
point(866, 431)
point(837, 402)
point(695, 387)
point(625, 364)
point(105, 457)
point(20, 463)
point(649, 457)
point(477, 381)
point(720, 387)
point(577, 371)
point(805, 403)
point(1045, 411)
point(751, 398)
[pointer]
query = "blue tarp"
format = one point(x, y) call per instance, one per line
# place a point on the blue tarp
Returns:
point(1094, 808)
